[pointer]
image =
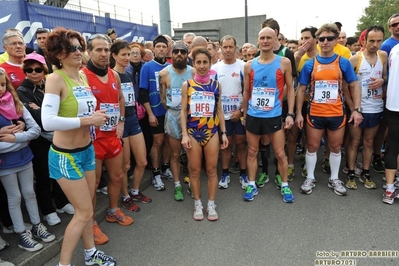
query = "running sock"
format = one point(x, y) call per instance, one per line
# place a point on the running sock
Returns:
point(243, 172)
point(164, 166)
point(177, 184)
point(197, 202)
point(311, 159)
point(211, 203)
point(134, 191)
point(351, 173)
point(284, 184)
point(225, 171)
point(252, 183)
point(90, 252)
point(377, 157)
point(364, 171)
point(59, 264)
point(291, 166)
point(125, 198)
point(155, 172)
point(335, 162)
point(265, 162)
point(390, 187)
point(112, 211)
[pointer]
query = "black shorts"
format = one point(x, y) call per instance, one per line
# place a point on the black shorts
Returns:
point(263, 126)
point(160, 129)
point(330, 123)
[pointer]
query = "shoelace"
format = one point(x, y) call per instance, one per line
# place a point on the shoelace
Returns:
point(99, 255)
point(158, 180)
point(41, 230)
point(198, 209)
point(28, 238)
point(249, 189)
point(286, 190)
point(309, 182)
point(212, 209)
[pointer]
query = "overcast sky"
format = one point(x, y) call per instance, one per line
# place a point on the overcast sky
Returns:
point(292, 15)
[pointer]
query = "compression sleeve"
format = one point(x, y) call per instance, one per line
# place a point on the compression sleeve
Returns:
point(50, 119)
point(144, 97)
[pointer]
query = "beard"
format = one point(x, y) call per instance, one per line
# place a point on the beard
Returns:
point(180, 64)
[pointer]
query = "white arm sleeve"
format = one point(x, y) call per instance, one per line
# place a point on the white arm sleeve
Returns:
point(50, 119)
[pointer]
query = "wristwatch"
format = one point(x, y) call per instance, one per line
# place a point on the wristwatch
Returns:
point(291, 114)
point(359, 110)
point(122, 119)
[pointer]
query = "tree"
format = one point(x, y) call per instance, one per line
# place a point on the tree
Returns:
point(378, 13)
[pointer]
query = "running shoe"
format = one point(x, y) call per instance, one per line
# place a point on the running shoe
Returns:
point(99, 237)
point(262, 180)
point(325, 166)
point(358, 170)
point(235, 169)
point(351, 182)
point(140, 198)
point(119, 217)
point(378, 166)
point(389, 197)
point(278, 181)
point(157, 183)
point(212, 214)
point(40, 231)
point(3, 244)
point(179, 193)
point(224, 181)
point(291, 173)
point(168, 175)
point(198, 213)
point(307, 186)
point(250, 193)
point(99, 258)
point(68, 208)
point(244, 181)
point(367, 181)
point(129, 205)
point(287, 194)
point(338, 186)
point(304, 170)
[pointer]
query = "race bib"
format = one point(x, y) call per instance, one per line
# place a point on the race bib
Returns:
point(263, 98)
point(157, 80)
point(86, 101)
point(112, 110)
point(368, 93)
point(128, 93)
point(202, 104)
point(326, 91)
point(174, 98)
point(229, 104)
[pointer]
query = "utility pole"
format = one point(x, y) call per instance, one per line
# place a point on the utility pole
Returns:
point(246, 22)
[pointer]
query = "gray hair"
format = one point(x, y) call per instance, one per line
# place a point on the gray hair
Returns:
point(97, 36)
point(10, 34)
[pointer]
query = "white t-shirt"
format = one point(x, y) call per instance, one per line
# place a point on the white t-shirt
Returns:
point(392, 103)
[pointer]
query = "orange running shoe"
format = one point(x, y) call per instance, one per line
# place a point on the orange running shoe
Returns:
point(99, 237)
point(119, 217)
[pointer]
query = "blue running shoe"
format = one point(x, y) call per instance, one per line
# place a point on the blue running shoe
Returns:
point(250, 193)
point(287, 194)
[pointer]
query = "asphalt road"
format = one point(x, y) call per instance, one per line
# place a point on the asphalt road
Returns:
point(266, 231)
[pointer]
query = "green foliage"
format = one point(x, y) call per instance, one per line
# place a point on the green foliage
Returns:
point(378, 13)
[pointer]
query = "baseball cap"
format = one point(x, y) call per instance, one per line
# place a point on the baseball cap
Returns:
point(36, 57)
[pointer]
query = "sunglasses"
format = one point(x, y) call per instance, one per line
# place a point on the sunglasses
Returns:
point(36, 69)
point(182, 51)
point(393, 25)
point(42, 30)
point(74, 48)
point(328, 38)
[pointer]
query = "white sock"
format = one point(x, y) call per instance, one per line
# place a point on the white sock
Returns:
point(252, 183)
point(59, 264)
point(390, 187)
point(291, 166)
point(90, 252)
point(211, 203)
point(177, 184)
point(126, 197)
point(197, 202)
point(284, 184)
point(135, 191)
point(335, 162)
point(311, 160)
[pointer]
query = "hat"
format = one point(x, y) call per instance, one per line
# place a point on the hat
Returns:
point(36, 57)
point(180, 45)
point(160, 38)
point(111, 31)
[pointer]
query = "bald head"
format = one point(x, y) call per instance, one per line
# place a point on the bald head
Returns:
point(199, 41)
point(267, 30)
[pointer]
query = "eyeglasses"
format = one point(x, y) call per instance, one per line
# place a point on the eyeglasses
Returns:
point(182, 51)
point(135, 53)
point(328, 38)
point(74, 48)
point(393, 25)
point(36, 69)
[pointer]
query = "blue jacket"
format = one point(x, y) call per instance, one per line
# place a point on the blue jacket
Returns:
point(18, 153)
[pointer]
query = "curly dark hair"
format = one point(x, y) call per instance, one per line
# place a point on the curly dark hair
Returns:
point(59, 41)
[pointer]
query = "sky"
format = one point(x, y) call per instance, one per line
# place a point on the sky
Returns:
point(292, 15)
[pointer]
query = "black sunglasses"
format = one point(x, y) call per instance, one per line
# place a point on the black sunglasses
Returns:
point(74, 48)
point(36, 69)
point(182, 51)
point(393, 25)
point(328, 38)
